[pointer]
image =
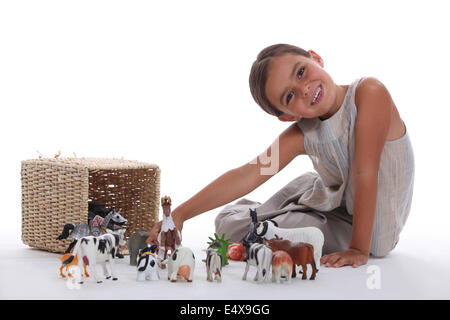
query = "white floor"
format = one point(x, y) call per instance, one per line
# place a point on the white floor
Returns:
point(417, 269)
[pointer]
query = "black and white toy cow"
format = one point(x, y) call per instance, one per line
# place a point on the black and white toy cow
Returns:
point(260, 256)
point(92, 250)
point(147, 267)
point(213, 265)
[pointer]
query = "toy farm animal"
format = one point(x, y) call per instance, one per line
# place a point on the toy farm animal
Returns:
point(301, 254)
point(236, 251)
point(312, 235)
point(182, 263)
point(281, 266)
point(135, 243)
point(147, 265)
point(169, 238)
point(213, 265)
point(251, 236)
point(67, 266)
point(221, 246)
point(91, 250)
point(260, 256)
point(98, 223)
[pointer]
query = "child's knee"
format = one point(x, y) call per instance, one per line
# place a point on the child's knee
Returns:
point(382, 249)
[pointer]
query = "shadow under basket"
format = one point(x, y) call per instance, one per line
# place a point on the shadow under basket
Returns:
point(56, 191)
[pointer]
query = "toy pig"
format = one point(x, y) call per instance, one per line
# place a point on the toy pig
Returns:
point(181, 263)
point(147, 265)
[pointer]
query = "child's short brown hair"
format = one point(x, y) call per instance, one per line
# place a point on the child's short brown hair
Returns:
point(258, 73)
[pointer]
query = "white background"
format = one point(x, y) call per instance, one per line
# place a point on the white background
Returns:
point(166, 82)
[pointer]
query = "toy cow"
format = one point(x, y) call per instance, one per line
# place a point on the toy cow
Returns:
point(260, 256)
point(282, 265)
point(312, 235)
point(147, 265)
point(301, 253)
point(213, 265)
point(181, 263)
point(91, 250)
point(136, 242)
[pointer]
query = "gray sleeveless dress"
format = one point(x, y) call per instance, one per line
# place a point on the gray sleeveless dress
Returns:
point(324, 198)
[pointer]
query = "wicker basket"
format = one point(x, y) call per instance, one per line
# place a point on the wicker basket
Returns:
point(56, 191)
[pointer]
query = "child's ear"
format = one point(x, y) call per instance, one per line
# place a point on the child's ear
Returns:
point(316, 57)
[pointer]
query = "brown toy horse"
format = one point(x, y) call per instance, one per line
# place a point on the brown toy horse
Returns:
point(301, 253)
point(74, 262)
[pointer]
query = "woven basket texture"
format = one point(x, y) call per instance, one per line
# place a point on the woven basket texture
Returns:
point(56, 191)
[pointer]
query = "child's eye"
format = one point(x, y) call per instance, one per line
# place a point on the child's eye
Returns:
point(300, 72)
point(289, 97)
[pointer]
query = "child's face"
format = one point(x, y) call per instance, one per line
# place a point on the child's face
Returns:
point(293, 82)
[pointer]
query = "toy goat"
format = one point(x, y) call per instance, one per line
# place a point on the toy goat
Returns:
point(67, 266)
point(312, 235)
point(301, 254)
point(213, 265)
point(180, 263)
point(91, 250)
point(260, 256)
point(147, 265)
point(282, 265)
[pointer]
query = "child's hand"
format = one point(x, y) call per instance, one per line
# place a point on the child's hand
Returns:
point(153, 236)
point(351, 257)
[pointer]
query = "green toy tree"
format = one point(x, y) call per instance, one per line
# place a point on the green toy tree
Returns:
point(221, 246)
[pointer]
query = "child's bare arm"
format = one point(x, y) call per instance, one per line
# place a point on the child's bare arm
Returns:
point(372, 125)
point(242, 180)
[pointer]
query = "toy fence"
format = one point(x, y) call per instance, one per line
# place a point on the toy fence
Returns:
point(56, 191)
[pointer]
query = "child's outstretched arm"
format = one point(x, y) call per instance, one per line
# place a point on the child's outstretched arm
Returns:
point(240, 181)
point(374, 105)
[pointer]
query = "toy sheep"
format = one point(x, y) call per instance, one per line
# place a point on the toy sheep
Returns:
point(282, 265)
point(260, 256)
point(213, 265)
point(312, 235)
point(182, 263)
point(147, 265)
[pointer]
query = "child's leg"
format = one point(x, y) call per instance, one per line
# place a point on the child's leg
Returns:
point(336, 225)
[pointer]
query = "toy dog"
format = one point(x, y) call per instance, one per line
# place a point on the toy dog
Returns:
point(147, 265)
point(67, 266)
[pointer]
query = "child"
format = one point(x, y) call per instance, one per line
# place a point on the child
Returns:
point(361, 194)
